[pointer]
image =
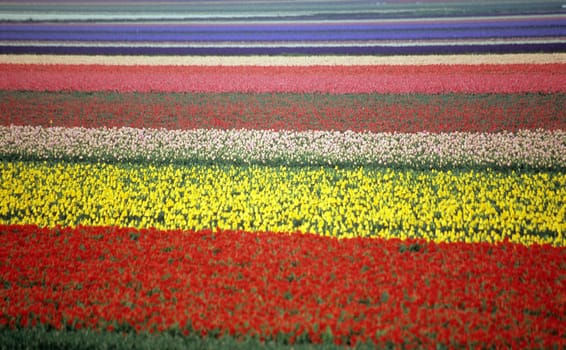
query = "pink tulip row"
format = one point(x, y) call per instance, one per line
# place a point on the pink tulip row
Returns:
point(506, 78)
point(526, 148)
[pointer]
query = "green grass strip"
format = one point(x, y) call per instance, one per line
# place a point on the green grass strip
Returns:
point(42, 338)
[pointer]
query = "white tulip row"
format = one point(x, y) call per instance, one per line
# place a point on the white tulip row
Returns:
point(527, 148)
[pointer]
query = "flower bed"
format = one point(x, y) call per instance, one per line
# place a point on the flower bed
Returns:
point(293, 200)
point(373, 112)
point(512, 78)
point(286, 287)
point(538, 149)
point(466, 206)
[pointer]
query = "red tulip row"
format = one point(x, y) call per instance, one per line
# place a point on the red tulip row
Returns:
point(363, 112)
point(296, 286)
point(302, 79)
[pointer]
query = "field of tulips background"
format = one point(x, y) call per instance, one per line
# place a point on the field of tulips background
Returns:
point(282, 174)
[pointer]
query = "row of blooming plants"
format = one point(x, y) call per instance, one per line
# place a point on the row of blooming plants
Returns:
point(289, 288)
point(462, 195)
point(532, 149)
point(476, 205)
point(386, 79)
point(373, 112)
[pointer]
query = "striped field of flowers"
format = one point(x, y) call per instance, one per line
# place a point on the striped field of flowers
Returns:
point(282, 174)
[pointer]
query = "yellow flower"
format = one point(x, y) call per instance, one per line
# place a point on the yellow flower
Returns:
point(443, 206)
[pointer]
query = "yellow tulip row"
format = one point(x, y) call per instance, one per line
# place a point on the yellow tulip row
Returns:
point(466, 206)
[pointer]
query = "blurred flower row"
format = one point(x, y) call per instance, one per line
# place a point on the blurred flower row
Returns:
point(371, 112)
point(354, 79)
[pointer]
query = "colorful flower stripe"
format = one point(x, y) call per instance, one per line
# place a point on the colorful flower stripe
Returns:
point(301, 288)
point(305, 28)
point(492, 46)
point(444, 176)
point(470, 206)
point(299, 112)
point(331, 79)
point(274, 10)
point(349, 60)
point(206, 31)
point(537, 149)
point(275, 33)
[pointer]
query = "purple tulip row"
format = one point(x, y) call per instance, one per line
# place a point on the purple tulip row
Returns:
point(101, 49)
point(287, 27)
point(338, 35)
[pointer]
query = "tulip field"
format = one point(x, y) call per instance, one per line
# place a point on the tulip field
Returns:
point(282, 174)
